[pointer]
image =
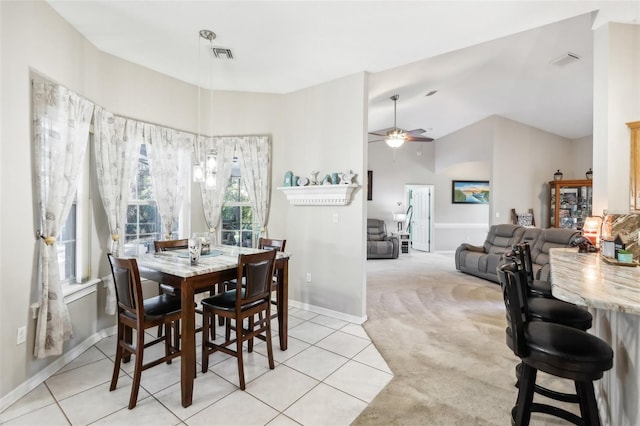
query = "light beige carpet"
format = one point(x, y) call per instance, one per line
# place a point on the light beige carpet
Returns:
point(442, 334)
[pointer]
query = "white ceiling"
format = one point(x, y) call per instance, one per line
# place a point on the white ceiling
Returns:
point(484, 58)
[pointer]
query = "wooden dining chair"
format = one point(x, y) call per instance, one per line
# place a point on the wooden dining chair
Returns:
point(139, 314)
point(243, 302)
point(278, 245)
point(169, 245)
point(266, 244)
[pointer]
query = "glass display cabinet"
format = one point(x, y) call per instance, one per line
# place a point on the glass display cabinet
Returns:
point(569, 203)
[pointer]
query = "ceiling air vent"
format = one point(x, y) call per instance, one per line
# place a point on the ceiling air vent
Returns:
point(565, 59)
point(221, 53)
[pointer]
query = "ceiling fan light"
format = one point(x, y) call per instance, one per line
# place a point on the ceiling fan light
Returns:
point(394, 141)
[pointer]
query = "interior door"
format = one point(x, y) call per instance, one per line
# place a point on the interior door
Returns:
point(421, 198)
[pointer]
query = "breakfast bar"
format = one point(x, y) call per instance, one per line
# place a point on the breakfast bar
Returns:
point(612, 294)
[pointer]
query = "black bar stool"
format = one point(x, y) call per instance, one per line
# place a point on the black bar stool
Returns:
point(555, 349)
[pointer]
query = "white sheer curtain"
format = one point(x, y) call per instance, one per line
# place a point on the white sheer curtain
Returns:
point(169, 160)
point(212, 198)
point(117, 146)
point(61, 130)
point(254, 157)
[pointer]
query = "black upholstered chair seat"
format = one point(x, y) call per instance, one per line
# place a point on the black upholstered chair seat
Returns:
point(559, 312)
point(564, 351)
point(227, 300)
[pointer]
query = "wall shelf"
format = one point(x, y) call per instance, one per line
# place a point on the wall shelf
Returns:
point(319, 195)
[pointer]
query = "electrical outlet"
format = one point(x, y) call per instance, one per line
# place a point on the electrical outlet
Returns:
point(21, 335)
point(335, 218)
point(308, 277)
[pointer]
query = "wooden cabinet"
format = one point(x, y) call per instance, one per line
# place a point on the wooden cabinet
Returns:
point(569, 203)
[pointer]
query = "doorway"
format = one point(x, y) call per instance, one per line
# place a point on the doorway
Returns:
point(419, 199)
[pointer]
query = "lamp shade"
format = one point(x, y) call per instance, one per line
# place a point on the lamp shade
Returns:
point(399, 217)
point(591, 229)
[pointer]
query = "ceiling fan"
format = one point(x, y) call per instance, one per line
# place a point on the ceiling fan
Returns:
point(395, 136)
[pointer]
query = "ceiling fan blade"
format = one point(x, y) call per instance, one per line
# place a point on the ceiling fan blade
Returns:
point(415, 132)
point(382, 132)
point(418, 139)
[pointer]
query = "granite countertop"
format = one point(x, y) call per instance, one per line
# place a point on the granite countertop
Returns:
point(177, 263)
point(588, 280)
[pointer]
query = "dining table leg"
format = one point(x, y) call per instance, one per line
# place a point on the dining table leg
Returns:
point(283, 304)
point(188, 348)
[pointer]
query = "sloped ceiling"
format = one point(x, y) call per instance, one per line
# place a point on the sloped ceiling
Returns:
point(483, 58)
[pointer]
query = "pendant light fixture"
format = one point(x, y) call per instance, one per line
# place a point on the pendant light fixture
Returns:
point(204, 169)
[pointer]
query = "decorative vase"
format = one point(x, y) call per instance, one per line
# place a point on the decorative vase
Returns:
point(195, 247)
point(313, 178)
point(557, 175)
point(288, 179)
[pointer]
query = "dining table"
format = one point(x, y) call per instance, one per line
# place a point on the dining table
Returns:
point(219, 265)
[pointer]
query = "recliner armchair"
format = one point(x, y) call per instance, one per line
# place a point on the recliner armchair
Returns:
point(379, 244)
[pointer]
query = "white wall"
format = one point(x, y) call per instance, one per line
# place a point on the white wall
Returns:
point(324, 129)
point(412, 163)
point(616, 101)
point(524, 160)
point(462, 155)
point(517, 159)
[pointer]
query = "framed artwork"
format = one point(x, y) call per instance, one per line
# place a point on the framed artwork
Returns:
point(369, 184)
point(470, 192)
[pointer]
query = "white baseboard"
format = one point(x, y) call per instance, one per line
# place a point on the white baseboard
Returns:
point(42, 375)
point(328, 312)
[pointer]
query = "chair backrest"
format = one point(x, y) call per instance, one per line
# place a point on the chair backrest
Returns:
point(257, 269)
point(501, 237)
point(167, 245)
point(551, 238)
point(523, 253)
point(513, 282)
point(271, 244)
point(126, 278)
point(376, 230)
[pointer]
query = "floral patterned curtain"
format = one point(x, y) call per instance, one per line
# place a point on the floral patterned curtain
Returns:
point(60, 131)
point(212, 198)
point(117, 144)
point(169, 160)
point(254, 158)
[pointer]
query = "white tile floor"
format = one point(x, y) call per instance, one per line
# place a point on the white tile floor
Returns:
point(328, 375)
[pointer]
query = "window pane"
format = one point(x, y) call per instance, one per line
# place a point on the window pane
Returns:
point(143, 221)
point(66, 247)
point(238, 228)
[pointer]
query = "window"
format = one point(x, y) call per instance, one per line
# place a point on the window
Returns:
point(238, 228)
point(73, 242)
point(66, 246)
point(143, 220)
